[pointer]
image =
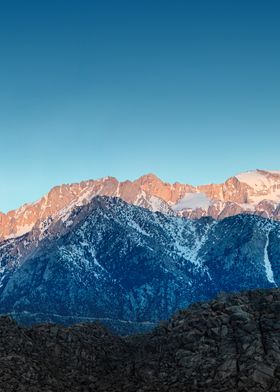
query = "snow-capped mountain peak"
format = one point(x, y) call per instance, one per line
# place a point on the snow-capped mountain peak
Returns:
point(256, 192)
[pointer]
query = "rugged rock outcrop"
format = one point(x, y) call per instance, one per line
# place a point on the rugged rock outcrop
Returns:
point(256, 192)
point(229, 344)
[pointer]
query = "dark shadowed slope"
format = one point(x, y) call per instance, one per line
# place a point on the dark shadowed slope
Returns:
point(115, 261)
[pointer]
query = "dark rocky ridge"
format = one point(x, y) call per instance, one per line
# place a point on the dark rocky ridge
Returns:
point(229, 344)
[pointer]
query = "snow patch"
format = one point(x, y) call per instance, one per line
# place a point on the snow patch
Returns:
point(193, 201)
point(256, 179)
point(267, 264)
point(68, 223)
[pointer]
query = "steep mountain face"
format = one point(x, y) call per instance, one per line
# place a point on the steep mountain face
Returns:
point(229, 344)
point(111, 260)
point(256, 192)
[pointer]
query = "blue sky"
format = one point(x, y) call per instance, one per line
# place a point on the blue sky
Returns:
point(189, 90)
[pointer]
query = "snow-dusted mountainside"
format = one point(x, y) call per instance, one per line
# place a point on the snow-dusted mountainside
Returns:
point(256, 192)
point(111, 260)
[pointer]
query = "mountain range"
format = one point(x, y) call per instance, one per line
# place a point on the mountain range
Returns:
point(255, 192)
point(89, 256)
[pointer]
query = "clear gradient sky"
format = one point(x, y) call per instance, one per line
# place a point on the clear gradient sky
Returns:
point(189, 90)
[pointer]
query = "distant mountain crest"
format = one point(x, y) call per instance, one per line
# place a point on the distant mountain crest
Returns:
point(253, 192)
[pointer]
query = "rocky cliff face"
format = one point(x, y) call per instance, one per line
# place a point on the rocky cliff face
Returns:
point(255, 192)
point(229, 344)
point(111, 260)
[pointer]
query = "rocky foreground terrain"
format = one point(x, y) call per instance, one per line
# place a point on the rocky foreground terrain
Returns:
point(229, 344)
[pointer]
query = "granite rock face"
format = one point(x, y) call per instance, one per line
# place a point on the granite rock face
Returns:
point(256, 192)
point(229, 344)
point(128, 266)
